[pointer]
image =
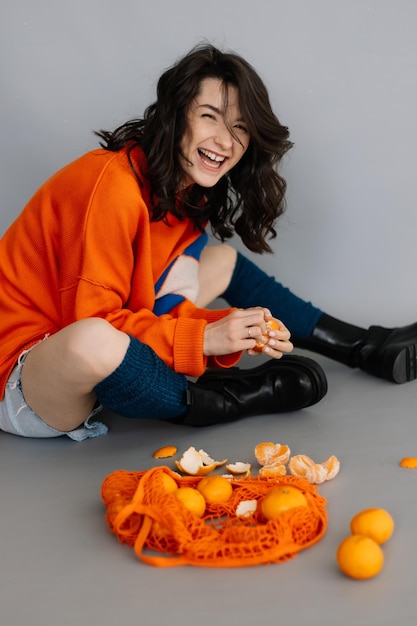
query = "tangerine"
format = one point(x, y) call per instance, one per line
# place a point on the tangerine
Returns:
point(359, 557)
point(281, 499)
point(169, 483)
point(192, 500)
point(270, 325)
point(159, 531)
point(215, 489)
point(374, 523)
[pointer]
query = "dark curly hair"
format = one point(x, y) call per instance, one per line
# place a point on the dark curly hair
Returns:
point(250, 198)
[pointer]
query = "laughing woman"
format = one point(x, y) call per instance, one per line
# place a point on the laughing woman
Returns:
point(106, 274)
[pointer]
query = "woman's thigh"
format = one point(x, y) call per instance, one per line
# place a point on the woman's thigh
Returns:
point(59, 374)
point(17, 418)
point(217, 264)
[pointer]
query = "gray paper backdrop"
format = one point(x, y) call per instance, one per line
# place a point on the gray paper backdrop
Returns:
point(342, 75)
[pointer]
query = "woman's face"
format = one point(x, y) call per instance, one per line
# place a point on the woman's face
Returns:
point(216, 136)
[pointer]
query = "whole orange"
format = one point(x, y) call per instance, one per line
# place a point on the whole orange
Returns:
point(215, 489)
point(360, 557)
point(374, 523)
point(270, 325)
point(159, 531)
point(192, 500)
point(281, 499)
point(169, 483)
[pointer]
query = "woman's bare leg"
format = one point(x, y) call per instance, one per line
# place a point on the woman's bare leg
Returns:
point(59, 373)
point(215, 272)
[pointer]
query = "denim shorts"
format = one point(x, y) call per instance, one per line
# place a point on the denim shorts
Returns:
point(17, 417)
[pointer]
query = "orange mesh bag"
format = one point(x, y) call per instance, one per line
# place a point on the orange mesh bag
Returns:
point(142, 514)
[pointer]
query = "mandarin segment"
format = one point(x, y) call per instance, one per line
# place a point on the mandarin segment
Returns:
point(303, 466)
point(275, 469)
point(300, 464)
point(332, 466)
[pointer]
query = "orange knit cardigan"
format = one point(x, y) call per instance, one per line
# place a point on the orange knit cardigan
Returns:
point(84, 246)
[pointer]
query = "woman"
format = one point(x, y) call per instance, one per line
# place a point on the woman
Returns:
point(103, 292)
point(106, 272)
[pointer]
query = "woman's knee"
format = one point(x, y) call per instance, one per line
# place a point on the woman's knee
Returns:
point(222, 256)
point(95, 345)
point(81, 354)
point(59, 374)
point(217, 264)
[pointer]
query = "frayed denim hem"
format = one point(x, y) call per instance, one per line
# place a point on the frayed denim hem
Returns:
point(17, 418)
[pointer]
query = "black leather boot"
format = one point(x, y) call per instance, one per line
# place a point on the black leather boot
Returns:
point(389, 353)
point(277, 386)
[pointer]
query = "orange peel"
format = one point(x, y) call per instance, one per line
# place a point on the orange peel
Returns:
point(239, 468)
point(197, 462)
point(245, 508)
point(302, 466)
point(409, 461)
point(268, 453)
point(165, 452)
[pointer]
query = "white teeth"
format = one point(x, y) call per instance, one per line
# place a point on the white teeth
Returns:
point(212, 156)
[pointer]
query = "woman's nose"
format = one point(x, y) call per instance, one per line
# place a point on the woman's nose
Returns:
point(224, 137)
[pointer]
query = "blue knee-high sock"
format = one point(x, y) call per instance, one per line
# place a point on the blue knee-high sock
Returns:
point(143, 386)
point(250, 286)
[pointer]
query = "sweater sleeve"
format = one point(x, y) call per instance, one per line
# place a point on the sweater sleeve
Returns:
point(209, 315)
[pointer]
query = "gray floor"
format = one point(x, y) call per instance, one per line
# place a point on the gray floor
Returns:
point(60, 565)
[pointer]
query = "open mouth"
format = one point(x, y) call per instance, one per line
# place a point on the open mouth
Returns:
point(211, 159)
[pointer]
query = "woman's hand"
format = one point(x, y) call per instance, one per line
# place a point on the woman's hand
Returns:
point(241, 330)
point(278, 342)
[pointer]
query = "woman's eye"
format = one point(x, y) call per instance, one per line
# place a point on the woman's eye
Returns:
point(241, 128)
point(209, 115)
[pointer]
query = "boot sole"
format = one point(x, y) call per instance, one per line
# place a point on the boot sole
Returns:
point(308, 366)
point(404, 368)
